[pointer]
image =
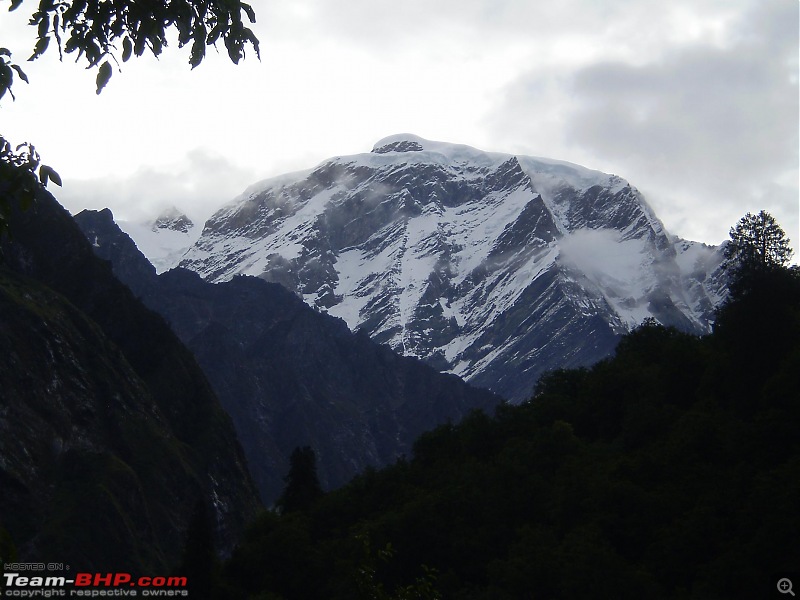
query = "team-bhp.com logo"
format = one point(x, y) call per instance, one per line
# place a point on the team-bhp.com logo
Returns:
point(92, 585)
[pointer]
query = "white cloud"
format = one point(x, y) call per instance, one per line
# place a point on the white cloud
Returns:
point(601, 255)
point(198, 184)
point(687, 99)
point(708, 129)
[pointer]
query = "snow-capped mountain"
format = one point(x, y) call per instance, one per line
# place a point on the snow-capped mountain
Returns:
point(165, 239)
point(491, 266)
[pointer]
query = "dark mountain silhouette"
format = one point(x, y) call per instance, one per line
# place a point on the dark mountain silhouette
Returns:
point(288, 375)
point(109, 432)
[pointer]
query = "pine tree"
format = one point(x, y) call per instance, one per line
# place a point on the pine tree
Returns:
point(200, 565)
point(758, 243)
point(302, 485)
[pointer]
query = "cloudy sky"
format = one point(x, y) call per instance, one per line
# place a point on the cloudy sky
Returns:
point(695, 102)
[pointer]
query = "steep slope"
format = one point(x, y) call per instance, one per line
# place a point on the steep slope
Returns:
point(78, 437)
point(288, 375)
point(111, 434)
point(165, 239)
point(490, 266)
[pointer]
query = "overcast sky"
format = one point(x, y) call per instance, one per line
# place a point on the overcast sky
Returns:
point(695, 102)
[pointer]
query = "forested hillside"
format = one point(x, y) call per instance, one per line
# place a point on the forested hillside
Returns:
point(671, 470)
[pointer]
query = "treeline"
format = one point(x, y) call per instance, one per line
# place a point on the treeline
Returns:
point(671, 470)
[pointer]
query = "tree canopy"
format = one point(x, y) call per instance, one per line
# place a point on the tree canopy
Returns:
point(302, 485)
point(757, 244)
point(18, 177)
point(101, 33)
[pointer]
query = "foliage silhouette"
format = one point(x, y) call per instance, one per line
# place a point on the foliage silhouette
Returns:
point(302, 485)
point(758, 245)
point(200, 565)
point(95, 30)
point(18, 178)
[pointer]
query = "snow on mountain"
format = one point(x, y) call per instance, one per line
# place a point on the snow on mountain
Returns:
point(491, 266)
point(165, 239)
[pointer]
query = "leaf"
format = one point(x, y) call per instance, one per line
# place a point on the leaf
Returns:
point(6, 79)
point(48, 174)
point(251, 14)
point(249, 35)
point(58, 36)
point(21, 73)
point(184, 32)
point(234, 47)
point(127, 49)
point(93, 53)
point(5, 52)
point(198, 52)
point(103, 75)
point(14, 5)
point(44, 25)
point(40, 48)
point(71, 45)
point(139, 44)
point(156, 46)
point(214, 35)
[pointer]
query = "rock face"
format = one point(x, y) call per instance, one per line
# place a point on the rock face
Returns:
point(110, 434)
point(288, 375)
point(489, 266)
point(172, 219)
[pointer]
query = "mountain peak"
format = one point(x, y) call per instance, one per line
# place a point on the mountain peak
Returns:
point(163, 240)
point(400, 143)
point(173, 219)
point(450, 152)
point(492, 266)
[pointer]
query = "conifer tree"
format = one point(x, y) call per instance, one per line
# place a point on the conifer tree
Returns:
point(302, 485)
point(200, 565)
point(758, 244)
